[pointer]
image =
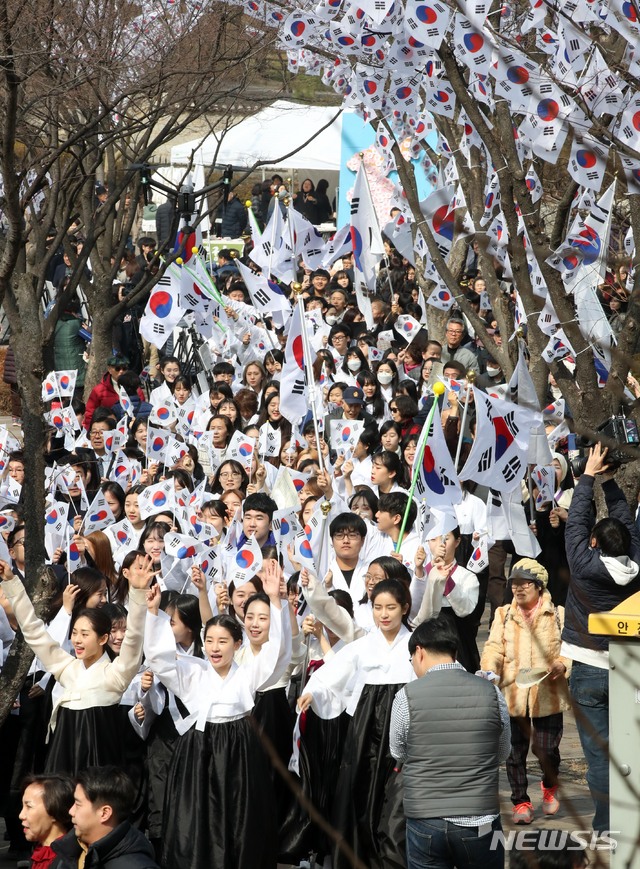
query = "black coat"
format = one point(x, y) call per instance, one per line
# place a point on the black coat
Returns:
point(234, 219)
point(122, 848)
point(592, 588)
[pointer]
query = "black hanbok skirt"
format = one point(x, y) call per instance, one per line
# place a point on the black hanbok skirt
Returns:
point(219, 808)
point(368, 808)
point(321, 746)
point(160, 747)
point(275, 718)
point(135, 767)
point(468, 654)
point(87, 737)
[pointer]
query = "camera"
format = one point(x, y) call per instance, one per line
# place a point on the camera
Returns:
point(617, 428)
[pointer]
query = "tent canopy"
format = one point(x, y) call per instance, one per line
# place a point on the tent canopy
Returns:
point(269, 136)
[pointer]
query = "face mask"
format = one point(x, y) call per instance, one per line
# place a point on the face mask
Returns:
point(354, 365)
point(330, 319)
point(385, 378)
point(493, 372)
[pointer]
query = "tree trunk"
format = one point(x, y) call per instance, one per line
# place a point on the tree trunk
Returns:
point(26, 342)
point(20, 655)
point(101, 346)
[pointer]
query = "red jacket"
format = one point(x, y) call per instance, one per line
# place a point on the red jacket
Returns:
point(102, 395)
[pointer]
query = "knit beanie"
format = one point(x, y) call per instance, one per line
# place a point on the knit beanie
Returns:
point(531, 570)
point(562, 461)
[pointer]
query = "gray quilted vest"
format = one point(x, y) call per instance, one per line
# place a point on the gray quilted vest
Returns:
point(452, 766)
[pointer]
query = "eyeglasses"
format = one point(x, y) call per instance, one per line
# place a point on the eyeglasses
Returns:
point(18, 542)
point(227, 475)
point(519, 584)
point(368, 577)
point(346, 535)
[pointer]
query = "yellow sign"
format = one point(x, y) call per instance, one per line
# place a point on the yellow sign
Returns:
point(622, 621)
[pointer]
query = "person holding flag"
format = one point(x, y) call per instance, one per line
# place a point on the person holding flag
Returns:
point(363, 678)
point(445, 587)
point(219, 767)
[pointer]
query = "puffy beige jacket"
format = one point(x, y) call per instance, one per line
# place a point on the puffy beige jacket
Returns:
point(513, 645)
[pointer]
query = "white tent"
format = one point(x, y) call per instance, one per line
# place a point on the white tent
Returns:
point(269, 136)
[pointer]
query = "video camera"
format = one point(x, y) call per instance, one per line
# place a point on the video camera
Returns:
point(617, 428)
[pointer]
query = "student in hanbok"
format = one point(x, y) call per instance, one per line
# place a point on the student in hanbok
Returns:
point(166, 717)
point(363, 679)
point(219, 807)
point(349, 627)
point(84, 723)
point(447, 589)
point(272, 710)
point(131, 729)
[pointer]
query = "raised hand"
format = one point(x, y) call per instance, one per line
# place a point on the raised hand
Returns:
point(5, 571)
point(324, 484)
point(141, 572)
point(311, 625)
point(222, 597)
point(146, 680)
point(138, 711)
point(69, 596)
point(153, 600)
point(198, 578)
point(271, 580)
point(596, 462)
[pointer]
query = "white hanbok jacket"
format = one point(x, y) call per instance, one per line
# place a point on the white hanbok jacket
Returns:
point(210, 697)
point(337, 686)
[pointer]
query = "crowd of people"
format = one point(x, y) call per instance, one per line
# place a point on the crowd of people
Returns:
point(193, 653)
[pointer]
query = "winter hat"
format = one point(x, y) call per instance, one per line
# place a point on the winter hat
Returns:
point(564, 467)
point(528, 569)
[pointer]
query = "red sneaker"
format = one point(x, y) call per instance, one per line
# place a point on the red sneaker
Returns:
point(522, 813)
point(550, 803)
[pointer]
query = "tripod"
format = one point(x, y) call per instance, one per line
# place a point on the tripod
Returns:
point(193, 353)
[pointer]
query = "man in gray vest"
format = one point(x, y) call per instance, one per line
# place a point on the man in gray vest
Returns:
point(450, 730)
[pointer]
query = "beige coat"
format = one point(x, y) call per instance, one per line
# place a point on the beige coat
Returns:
point(513, 646)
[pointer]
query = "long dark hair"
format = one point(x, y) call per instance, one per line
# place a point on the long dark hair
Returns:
point(216, 486)
point(367, 378)
point(392, 462)
point(159, 528)
point(117, 491)
point(188, 609)
point(256, 582)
